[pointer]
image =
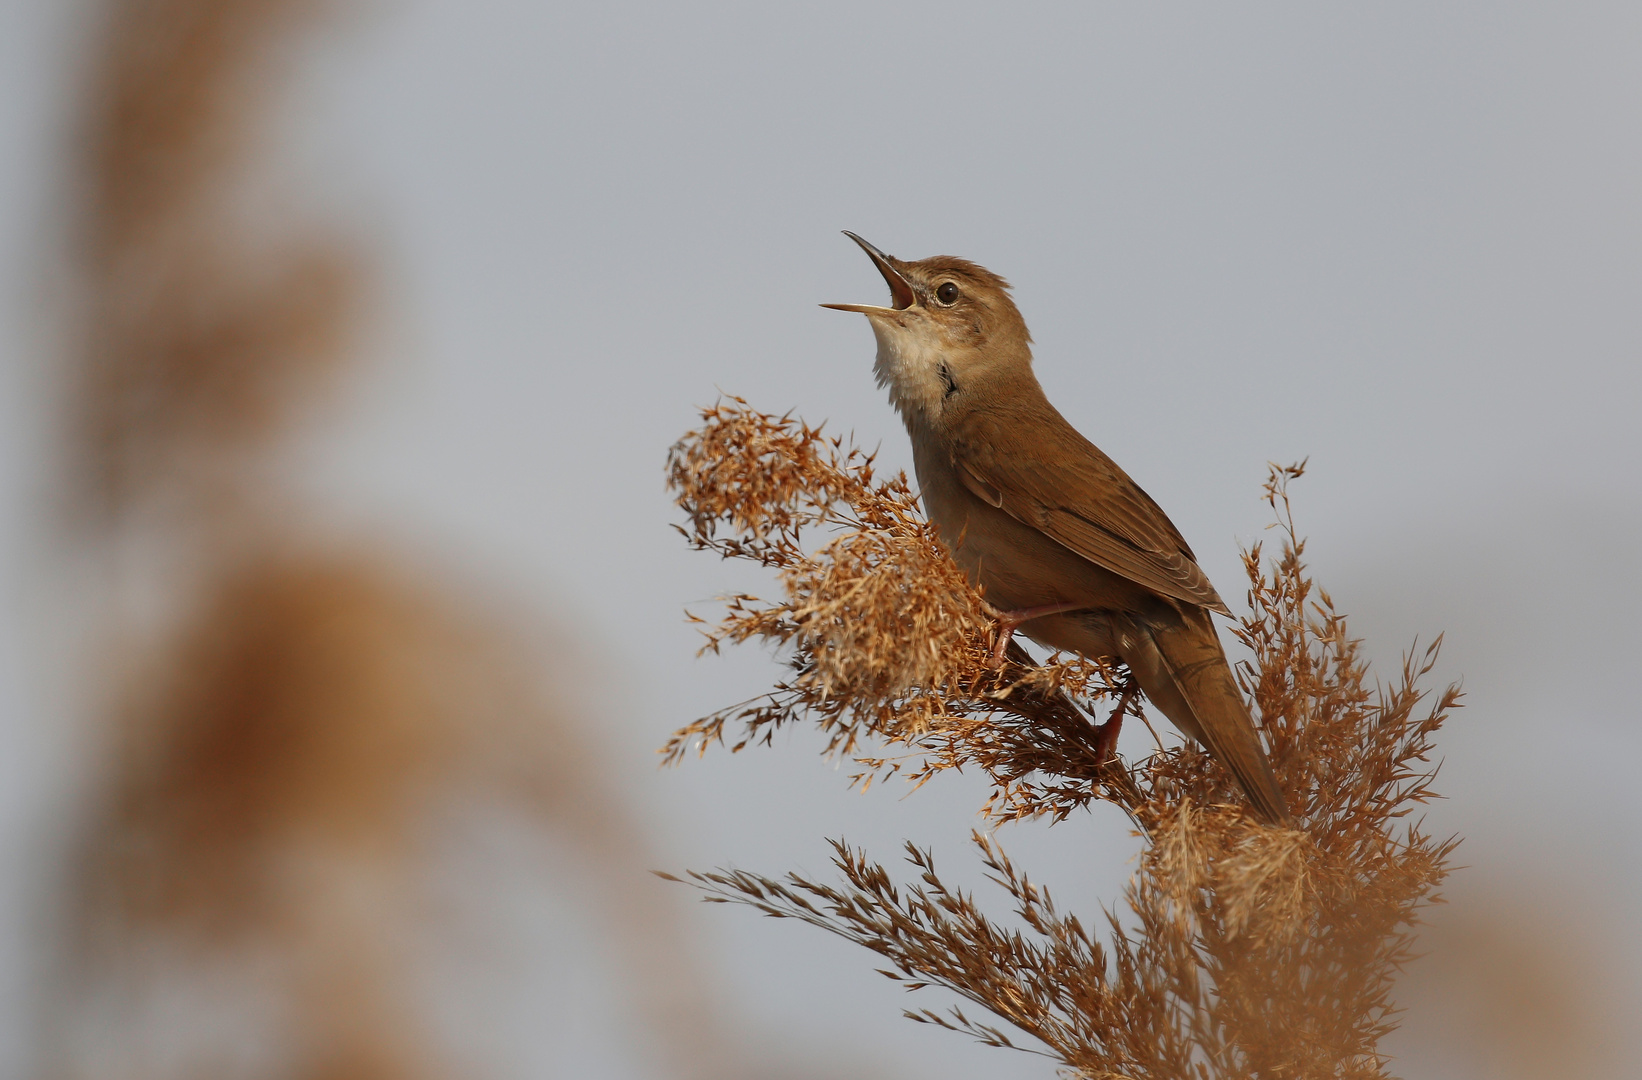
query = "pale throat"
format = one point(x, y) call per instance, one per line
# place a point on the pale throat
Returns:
point(909, 366)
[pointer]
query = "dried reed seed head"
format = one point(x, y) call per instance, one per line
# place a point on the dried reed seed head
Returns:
point(881, 614)
point(1246, 950)
point(760, 474)
point(886, 628)
point(1177, 862)
point(1263, 878)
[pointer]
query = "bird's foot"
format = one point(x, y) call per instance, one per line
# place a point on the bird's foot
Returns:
point(1106, 734)
point(1010, 621)
point(1006, 634)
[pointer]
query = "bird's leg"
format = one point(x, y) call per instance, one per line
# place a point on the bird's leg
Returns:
point(1106, 734)
point(1010, 621)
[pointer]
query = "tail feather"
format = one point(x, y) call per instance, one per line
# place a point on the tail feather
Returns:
point(1185, 674)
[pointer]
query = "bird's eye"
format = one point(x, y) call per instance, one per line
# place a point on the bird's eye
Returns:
point(947, 294)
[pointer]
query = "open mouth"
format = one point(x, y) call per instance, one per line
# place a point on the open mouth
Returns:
point(900, 290)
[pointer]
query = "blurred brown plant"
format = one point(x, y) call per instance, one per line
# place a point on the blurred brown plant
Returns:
point(270, 782)
point(205, 328)
point(1244, 950)
point(286, 715)
point(1519, 978)
point(277, 776)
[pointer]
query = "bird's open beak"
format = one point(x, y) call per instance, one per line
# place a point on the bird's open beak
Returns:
point(900, 291)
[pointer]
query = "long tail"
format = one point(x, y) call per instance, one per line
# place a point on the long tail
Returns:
point(1183, 670)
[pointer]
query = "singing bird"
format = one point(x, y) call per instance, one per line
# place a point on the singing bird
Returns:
point(1063, 543)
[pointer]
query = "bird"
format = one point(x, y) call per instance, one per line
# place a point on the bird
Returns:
point(1060, 540)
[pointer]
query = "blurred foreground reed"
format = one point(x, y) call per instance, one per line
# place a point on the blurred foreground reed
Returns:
point(288, 717)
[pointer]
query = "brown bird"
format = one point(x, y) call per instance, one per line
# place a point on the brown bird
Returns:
point(1064, 544)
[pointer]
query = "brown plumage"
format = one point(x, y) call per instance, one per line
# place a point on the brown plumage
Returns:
point(1063, 542)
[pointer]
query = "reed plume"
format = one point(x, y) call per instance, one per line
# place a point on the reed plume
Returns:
point(1239, 950)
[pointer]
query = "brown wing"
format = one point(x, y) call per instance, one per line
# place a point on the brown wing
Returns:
point(1061, 484)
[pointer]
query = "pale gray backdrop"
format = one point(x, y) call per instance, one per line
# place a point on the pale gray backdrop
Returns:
point(1402, 239)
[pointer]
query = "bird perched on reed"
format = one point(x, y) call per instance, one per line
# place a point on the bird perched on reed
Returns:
point(1065, 545)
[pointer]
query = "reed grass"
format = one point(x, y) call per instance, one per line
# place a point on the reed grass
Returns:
point(1237, 949)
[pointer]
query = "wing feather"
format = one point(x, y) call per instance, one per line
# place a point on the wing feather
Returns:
point(1063, 485)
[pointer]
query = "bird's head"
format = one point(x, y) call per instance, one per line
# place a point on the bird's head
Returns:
point(951, 328)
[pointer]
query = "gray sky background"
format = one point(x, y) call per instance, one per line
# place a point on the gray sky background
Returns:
point(1403, 239)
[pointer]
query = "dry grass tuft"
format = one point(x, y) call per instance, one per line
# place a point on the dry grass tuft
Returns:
point(1243, 950)
point(889, 639)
